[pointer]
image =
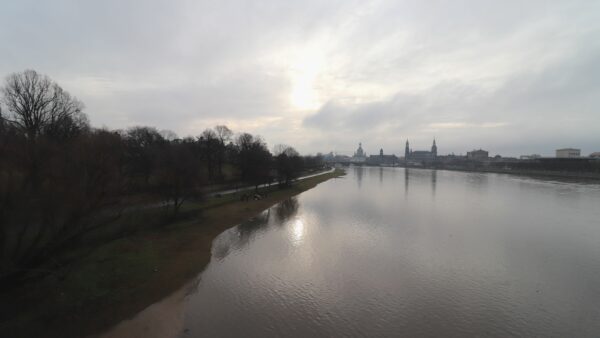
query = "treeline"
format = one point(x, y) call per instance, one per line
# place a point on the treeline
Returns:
point(60, 178)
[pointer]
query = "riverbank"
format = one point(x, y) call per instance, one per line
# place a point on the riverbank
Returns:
point(571, 169)
point(543, 174)
point(118, 279)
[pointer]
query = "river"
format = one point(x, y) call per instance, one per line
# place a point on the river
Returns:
point(395, 252)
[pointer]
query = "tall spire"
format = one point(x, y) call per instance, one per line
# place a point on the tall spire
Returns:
point(359, 152)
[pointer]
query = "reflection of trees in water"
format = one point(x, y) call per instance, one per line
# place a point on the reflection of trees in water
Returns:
point(286, 209)
point(248, 228)
point(239, 236)
point(222, 245)
point(242, 234)
point(192, 287)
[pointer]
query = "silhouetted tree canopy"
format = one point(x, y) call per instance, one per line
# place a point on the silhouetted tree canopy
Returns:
point(254, 159)
point(61, 180)
point(289, 163)
point(39, 106)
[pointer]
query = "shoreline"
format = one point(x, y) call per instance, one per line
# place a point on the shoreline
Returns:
point(543, 174)
point(121, 278)
point(571, 177)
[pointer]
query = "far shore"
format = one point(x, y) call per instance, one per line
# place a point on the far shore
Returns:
point(570, 176)
point(118, 279)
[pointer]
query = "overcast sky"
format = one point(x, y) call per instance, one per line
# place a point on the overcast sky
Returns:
point(512, 77)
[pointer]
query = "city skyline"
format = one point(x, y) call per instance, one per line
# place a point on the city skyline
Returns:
point(376, 150)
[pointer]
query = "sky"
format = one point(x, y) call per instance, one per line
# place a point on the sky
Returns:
point(511, 77)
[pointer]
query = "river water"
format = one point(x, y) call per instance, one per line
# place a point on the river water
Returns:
point(395, 252)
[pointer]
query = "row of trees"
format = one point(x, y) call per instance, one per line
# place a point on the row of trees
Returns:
point(60, 178)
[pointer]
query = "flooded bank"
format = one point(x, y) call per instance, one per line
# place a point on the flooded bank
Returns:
point(389, 251)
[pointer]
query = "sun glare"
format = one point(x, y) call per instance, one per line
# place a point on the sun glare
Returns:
point(297, 231)
point(304, 72)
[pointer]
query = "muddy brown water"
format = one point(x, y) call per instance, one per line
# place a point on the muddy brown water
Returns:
point(395, 252)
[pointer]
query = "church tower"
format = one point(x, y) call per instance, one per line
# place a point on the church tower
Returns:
point(381, 152)
point(360, 152)
point(434, 149)
point(406, 151)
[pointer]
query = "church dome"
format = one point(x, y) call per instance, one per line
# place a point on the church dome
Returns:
point(359, 151)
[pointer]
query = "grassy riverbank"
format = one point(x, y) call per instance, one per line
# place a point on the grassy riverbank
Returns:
point(118, 279)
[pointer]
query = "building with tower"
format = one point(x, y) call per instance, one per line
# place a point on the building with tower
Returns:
point(359, 155)
point(420, 155)
point(382, 159)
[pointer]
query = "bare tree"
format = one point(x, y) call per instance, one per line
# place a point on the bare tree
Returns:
point(38, 106)
point(168, 135)
point(224, 135)
point(280, 149)
point(289, 163)
point(77, 181)
point(254, 159)
point(142, 146)
point(209, 143)
point(178, 174)
point(3, 123)
point(61, 182)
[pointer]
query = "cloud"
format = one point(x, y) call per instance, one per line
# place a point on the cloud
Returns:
point(464, 125)
point(512, 76)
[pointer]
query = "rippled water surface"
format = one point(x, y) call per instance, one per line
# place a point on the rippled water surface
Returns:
point(388, 252)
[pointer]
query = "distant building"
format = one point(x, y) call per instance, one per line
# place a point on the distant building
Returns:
point(381, 159)
point(335, 158)
point(530, 157)
point(568, 153)
point(359, 156)
point(478, 155)
point(595, 154)
point(420, 155)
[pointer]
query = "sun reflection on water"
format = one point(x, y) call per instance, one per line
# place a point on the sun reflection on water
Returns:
point(297, 231)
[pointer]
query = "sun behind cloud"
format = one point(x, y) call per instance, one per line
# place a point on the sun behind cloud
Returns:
point(304, 71)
